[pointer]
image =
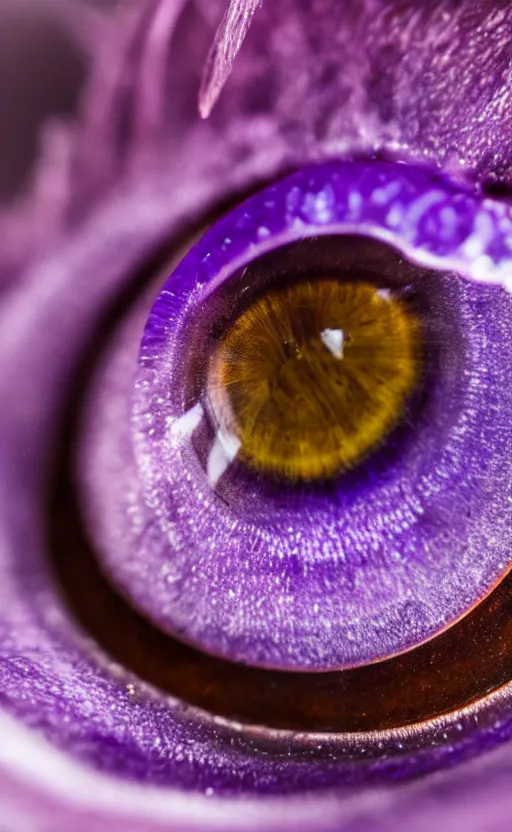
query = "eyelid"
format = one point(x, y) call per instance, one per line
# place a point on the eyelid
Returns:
point(410, 208)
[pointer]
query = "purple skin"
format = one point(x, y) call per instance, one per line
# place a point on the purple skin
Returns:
point(372, 77)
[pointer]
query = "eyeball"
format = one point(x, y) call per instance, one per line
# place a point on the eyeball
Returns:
point(319, 423)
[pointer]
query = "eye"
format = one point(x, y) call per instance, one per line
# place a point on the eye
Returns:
point(269, 553)
point(308, 379)
point(318, 425)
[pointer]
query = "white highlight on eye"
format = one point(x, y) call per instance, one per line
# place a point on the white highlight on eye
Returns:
point(323, 203)
point(482, 269)
point(355, 202)
point(448, 217)
point(507, 283)
point(185, 425)
point(420, 206)
point(481, 237)
point(333, 339)
point(384, 194)
point(394, 216)
point(222, 454)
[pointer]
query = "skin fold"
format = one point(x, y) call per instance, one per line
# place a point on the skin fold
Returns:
point(171, 131)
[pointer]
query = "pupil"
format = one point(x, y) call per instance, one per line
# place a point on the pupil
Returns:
point(312, 377)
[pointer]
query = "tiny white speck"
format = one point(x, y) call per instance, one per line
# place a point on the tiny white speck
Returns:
point(355, 201)
point(333, 339)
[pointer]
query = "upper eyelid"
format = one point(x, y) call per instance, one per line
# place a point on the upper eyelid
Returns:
point(426, 218)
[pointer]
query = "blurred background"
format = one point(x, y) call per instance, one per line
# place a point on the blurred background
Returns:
point(42, 69)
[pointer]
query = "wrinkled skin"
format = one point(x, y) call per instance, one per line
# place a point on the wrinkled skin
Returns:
point(312, 79)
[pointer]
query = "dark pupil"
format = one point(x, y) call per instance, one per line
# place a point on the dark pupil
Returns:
point(311, 377)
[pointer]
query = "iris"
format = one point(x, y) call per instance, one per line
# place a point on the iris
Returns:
point(309, 379)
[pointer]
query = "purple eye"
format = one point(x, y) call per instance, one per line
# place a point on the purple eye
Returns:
point(254, 460)
point(319, 424)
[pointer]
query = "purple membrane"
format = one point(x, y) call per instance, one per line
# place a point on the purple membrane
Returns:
point(85, 743)
point(387, 557)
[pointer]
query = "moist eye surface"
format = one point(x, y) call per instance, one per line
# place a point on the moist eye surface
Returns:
point(311, 378)
point(370, 518)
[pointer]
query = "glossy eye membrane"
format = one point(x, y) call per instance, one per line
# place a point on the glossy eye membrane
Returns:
point(305, 363)
point(312, 377)
point(316, 570)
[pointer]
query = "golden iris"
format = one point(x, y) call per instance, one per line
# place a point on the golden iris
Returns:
point(311, 377)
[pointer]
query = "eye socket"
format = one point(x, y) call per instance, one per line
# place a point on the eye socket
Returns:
point(316, 575)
